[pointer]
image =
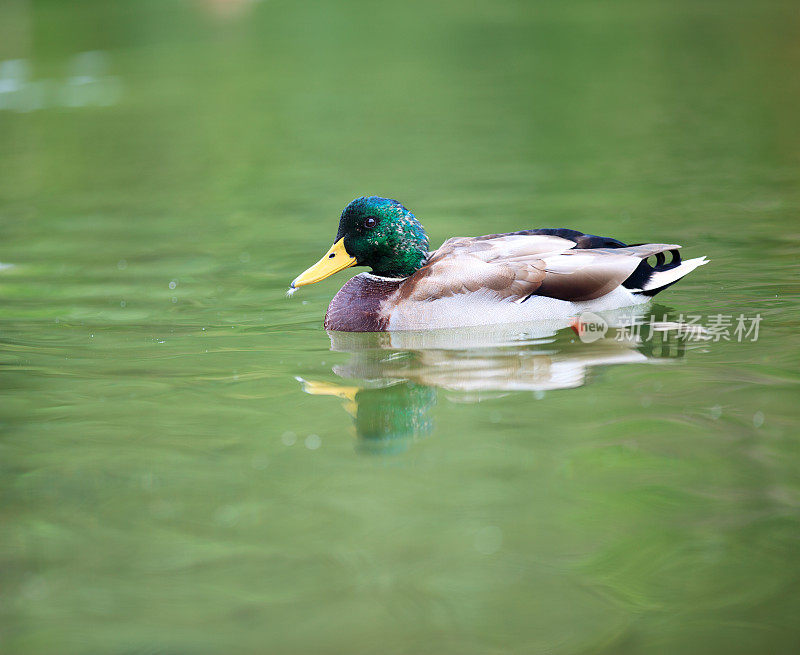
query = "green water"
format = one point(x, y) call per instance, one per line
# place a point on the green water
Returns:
point(168, 484)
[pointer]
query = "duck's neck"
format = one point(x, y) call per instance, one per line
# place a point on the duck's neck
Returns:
point(401, 264)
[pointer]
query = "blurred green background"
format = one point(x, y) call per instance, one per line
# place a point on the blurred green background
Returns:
point(167, 167)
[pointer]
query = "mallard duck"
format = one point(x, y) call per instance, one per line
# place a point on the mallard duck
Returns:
point(530, 275)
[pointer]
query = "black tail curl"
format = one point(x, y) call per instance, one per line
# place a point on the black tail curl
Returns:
point(644, 271)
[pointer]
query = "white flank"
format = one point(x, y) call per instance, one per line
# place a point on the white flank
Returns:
point(486, 308)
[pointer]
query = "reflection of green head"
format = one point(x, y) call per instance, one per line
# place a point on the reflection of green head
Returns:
point(388, 418)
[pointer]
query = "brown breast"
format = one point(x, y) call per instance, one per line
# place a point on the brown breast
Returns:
point(357, 306)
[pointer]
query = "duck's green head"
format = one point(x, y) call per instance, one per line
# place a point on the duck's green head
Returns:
point(375, 232)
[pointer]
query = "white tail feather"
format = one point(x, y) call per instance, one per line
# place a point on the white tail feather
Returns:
point(663, 278)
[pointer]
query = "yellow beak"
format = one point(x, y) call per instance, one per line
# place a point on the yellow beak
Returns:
point(333, 261)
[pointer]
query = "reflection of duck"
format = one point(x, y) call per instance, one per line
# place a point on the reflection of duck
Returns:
point(518, 361)
point(529, 275)
point(386, 418)
point(399, 372)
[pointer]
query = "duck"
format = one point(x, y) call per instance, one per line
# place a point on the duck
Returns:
point(525, 276)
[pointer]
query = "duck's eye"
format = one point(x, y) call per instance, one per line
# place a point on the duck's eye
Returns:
point(370, 222)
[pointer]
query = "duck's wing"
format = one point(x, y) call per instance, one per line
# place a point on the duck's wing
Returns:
point(589, 273)
point(517, 266)
point(508, 266)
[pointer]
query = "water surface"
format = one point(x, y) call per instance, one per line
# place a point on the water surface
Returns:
point(191, 464)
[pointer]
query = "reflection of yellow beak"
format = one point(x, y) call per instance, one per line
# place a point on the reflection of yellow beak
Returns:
point(328, 389)
point(333, 261)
